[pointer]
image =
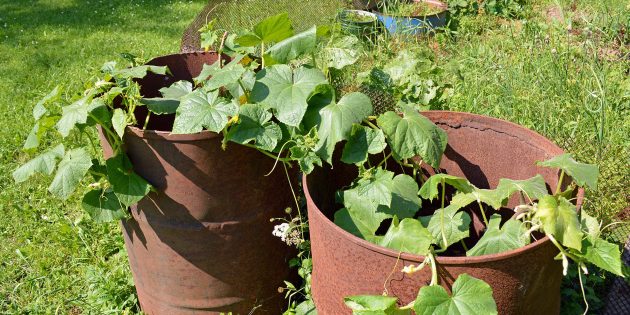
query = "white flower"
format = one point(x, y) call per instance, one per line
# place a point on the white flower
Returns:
point(281, 231)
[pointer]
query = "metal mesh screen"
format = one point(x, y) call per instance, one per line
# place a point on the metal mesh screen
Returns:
point(612, 194)
point(618, 301)
point(233, 15)
point(236, 14)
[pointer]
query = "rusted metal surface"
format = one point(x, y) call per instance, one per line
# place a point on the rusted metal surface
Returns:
point(483, 149)
point(202, 243)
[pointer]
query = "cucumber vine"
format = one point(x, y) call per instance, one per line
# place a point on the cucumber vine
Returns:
point(271, 90)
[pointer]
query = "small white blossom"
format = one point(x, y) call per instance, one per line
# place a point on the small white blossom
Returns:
point(281, 231)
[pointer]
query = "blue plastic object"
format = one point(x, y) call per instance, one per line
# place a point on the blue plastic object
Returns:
point(416, 25)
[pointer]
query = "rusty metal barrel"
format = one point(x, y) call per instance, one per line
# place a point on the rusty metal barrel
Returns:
point(482, 149)
point(202, 242)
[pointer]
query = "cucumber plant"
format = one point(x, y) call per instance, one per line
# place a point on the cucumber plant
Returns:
point(380, 194)
point(274, 95)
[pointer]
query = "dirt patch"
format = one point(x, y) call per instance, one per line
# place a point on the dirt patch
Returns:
point(554, 14)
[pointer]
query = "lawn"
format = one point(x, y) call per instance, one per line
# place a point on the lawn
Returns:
point(561, 68)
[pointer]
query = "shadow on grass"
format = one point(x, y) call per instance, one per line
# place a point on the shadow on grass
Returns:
point(22, 16)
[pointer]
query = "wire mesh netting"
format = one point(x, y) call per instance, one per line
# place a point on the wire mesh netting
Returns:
point(618, 300)
point(232, 15)
point(613, 160)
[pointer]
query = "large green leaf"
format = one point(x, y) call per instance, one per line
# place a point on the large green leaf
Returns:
point(161, 106)
point(286, 91)
point(140, 72)
point(200, 109)
point(408, 236)
point(534, 188)
point(603, 254)
point(337, 119)
point(455, 223)
point(498, 239)
point(40, 109)
point(369, 201)
point(341, 52)
point(128, 186)
point(292, 47)
point(119, 122)
point(72, 168)
point(177, 90)
point(168, 103)
point(470, 296)
point(254, 125)
point(431, 188)
point(407, 63)
point(322, 96)
point(103, 206)
point(272, 29)
point(583, 174)
point(44, 163)
point(589, 225)
point(98, 113)
point(559, 218)
point(405, 201)
point(362, 140)
point(214, 77)
point(493, 197)
point(238, 89)
point(73, 114)
point(376, 198)
point(40, 128)
point(355, 225)
point(413, 135)
point(373, 305)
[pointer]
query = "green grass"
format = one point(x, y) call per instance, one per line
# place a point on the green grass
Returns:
point(52, 260)
point(574, 89)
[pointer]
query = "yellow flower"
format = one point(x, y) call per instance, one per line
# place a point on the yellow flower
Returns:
point(233, 120)
point(242, 99)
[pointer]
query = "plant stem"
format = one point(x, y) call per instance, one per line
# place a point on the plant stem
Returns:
point(297, 204)
point(284, 160)
point(442, 214)
point(408, 306)
point(146, 121)
point(483, 213)
point(220, 50)
point(560, 179)
point(434, 274)
point(240, 82)
point(464, 245)
point(314, 60)
point(384, 159)
point(94, 148)
point(112, 137)
point(555, 242)
point(262, 54)
point(367, 122)
point(582, 288)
